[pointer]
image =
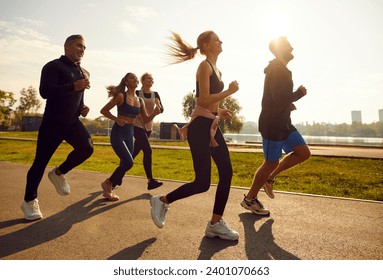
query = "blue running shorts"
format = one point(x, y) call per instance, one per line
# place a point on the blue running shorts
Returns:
point(272, 150)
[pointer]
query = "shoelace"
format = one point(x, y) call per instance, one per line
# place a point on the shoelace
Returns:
point(222, 222)
point(256, 201)
point(164, 210)
point(228, 229)
point(35, 205)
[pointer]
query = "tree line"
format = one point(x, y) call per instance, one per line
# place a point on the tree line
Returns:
point(29, 104)
point(355, 129)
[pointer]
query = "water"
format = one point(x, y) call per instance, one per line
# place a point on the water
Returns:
point(321, 140)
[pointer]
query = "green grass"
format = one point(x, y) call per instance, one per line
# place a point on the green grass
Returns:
point(342, 177)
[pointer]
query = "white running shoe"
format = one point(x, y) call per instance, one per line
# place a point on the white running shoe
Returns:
point(255, 206)
point(31, 210)
point(222, 230)
point(60, 183)
point(158, 210)
point(268, 186)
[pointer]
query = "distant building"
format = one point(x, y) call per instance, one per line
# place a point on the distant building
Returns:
point(31, 123)
point(356, 116)
point(381, 115)
point(168, 131)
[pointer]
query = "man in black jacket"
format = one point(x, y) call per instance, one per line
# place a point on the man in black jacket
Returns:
point(63, 82)
point(275, 126)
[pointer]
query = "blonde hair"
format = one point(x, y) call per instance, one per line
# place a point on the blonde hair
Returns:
point(114, 90)
point(181, 51)
point(144, 76)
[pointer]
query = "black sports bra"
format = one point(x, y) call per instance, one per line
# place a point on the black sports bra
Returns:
point(127, 110)
point(216, 85)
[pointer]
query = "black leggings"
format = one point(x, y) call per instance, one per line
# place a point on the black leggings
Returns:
point(199, 141)
point(141, 143)
point(49, 138)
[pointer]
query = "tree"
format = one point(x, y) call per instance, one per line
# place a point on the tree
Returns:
point(7, 100)
point(29, 101)
point(234, 124)
point(188, 105)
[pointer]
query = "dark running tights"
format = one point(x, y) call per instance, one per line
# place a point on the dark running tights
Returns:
point(141, 143)
point(121, 138)
point(199, 142)
point(49, 138)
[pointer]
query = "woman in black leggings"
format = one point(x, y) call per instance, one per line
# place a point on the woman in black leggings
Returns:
point(205, 138)
point(143, 130)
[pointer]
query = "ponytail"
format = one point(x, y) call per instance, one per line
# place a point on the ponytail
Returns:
point(114, 90)
point(179, 50)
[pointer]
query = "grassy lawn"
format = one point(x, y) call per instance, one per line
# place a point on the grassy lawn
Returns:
point(342, 177)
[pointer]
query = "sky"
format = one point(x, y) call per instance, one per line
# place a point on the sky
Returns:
point(338, 49)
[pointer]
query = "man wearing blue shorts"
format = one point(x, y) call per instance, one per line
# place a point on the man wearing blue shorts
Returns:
point(275, 126)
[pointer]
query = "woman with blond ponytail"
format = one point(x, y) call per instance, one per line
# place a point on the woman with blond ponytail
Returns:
point(203, 134)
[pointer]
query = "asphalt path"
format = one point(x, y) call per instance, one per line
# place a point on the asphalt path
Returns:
point(84, 226)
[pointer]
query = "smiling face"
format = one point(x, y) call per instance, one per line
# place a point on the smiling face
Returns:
point(147, 80)
point(75, 49)
point(131, 81)
point(208, 41)
point(215, 44)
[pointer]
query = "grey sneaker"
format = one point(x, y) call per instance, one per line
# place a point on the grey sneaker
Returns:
point(222, 230)
point(159, 210)
point(60, 183)
point(268, 186)
point(255, 206)
point(31, 210)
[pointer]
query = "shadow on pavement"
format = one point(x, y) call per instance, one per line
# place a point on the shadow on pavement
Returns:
point(133, 252)
point(210, 246)
point(259, 244)
point(53, 227)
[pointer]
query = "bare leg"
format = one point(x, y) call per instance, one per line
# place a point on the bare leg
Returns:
point(215, 218)
point(260, 177)
point(298, 155)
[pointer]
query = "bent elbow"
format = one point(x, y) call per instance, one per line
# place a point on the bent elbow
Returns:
point(103, 111)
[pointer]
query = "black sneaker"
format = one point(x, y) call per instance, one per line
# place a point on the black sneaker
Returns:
point(153, 184)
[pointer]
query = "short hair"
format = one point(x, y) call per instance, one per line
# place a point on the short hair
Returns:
point(276, 44)
point(72, 38)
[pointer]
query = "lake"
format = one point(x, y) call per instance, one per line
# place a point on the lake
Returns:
point(322, 140)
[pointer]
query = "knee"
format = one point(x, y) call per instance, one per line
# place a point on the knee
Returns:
point(88, 151)
point(126, 164)
point(85, 151)
point(226, 174)
point(305, 154)
point(270, 165)
point(202, 185)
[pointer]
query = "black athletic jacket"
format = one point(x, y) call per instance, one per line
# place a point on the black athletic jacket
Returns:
point(63, 104)
point(278, 96)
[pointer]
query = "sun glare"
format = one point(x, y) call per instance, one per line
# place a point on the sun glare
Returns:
point(274, 24)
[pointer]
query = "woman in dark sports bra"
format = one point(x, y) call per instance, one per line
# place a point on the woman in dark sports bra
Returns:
point(121, 136)
point(205, 139)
